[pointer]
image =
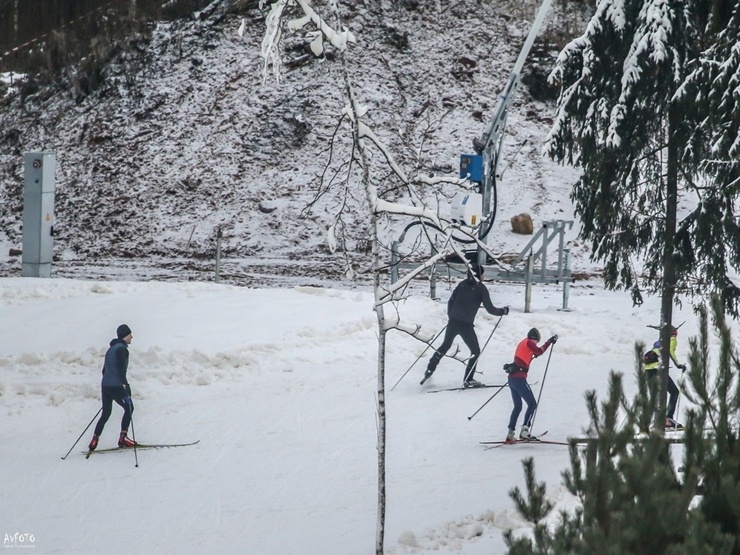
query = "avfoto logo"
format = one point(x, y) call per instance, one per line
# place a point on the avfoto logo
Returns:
point(19, 540)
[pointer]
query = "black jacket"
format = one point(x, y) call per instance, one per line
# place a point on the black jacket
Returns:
point(466, 300)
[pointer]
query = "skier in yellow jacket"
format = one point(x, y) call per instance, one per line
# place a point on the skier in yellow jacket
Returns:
point(652, 373)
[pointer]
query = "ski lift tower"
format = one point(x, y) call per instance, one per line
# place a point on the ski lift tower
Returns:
point(482, 168)
point(470, 209)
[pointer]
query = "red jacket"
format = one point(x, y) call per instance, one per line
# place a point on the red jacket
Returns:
point(525, 352)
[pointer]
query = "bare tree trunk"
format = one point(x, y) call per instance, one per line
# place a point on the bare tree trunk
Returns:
point(379, 310)
point(379, 307)
point(669, 271)
point(363, 135)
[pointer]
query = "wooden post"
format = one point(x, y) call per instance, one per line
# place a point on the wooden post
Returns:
point(528, 283)
point(218, 255)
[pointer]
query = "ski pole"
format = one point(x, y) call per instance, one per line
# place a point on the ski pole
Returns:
point(484, 347)
point(417, 358)
point(491, 335)
point(500, 389)
point(82, 434)
point(678, 401)
point(133, 434)
point(544, 377)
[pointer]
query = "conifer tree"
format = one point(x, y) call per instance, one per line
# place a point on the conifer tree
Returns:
point(627, 118)
point(632, 498)
point(715, 85)
point(717, 394)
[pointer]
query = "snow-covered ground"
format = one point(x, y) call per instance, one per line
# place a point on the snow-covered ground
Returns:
point(279, 386)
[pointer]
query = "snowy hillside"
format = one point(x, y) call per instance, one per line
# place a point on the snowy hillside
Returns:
point(279, 386)
point(183, 138)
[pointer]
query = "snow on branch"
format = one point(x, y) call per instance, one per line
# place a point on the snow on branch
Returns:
point(424, 180)
point(271, 41)
point(380, 205)
point(389, 294)
point(337, 39)
point(365, 132)
point(355, 112)
point(273, 33)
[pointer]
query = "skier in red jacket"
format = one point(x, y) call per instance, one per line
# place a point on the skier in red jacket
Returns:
point(525, 352)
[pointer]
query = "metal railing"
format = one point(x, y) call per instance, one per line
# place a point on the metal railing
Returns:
point(529, 267)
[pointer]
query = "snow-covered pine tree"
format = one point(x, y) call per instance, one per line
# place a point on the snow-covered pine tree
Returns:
point(632, 498)
point(624, 117)
point(715, 84)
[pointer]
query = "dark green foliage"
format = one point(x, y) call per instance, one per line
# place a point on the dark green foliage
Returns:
point(714, 83)
point(647, 112)
point(397, 38)
point(535, 507)
point(633, 500)
point(717, 393)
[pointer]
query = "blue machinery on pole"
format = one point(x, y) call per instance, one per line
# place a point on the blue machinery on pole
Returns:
point(481, 170)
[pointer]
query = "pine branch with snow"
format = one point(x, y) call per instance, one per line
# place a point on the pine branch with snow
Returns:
point(637, 113)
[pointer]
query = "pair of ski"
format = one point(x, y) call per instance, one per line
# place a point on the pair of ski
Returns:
point(483, 386)
point(139, 447)
point(534, 440)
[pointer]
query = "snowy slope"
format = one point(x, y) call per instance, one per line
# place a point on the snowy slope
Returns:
point(279, 386)
point(184, 138)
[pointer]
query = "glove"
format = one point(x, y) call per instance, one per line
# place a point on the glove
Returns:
point(127, 389)
point(506, 310)
point(553, 340)
point(682, 367)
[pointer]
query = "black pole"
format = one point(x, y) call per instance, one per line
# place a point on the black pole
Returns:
point(82, 434)
point(552, 346)
point(417, 358)
point(491, 335)
point(500, 389)
point(679, 385)
point(475, 367)
point(133, 436)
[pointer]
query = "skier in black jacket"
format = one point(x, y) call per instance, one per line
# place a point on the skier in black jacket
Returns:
point(462, 307)
point(115, 387)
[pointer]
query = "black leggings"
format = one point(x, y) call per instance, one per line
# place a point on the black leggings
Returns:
point(672, 392)
point(122, 398)
point(467, 333)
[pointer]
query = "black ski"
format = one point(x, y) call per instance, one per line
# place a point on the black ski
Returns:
point(480, 387)
point(139, 447)
point(465, 388)
point(533, 441)
point(495, 445)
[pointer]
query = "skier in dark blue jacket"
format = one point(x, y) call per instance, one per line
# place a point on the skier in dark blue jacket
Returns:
point(115, 387)
point(462, 307)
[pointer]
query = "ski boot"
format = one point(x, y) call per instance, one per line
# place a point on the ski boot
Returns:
point(125, 441)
